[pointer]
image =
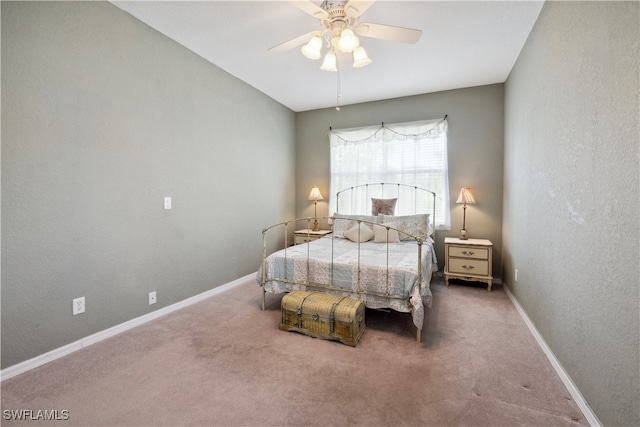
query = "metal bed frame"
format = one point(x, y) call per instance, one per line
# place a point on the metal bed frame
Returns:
point(329, 286)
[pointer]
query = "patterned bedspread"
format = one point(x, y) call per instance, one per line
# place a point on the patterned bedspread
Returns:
point(387, 277)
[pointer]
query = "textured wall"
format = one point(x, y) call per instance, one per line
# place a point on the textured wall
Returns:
point(571, 189)
point(101, 118)
point(475, 142)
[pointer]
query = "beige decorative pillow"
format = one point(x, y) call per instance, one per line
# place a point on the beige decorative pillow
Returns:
point(383, 206)
point(382, 235)
point(359, 233)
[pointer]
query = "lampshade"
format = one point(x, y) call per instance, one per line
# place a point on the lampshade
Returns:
point(330, 62)
point(465, 196)
point(315, 194)
point(312, 49)
point(348, 41)
point(360, 58)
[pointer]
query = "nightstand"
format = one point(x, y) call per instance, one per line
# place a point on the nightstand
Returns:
point(306, 235)
point(468, 259)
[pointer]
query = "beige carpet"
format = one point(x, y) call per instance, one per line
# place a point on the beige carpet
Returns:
point(224, 362)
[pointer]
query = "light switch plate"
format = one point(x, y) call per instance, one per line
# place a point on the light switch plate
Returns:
point(167, 202)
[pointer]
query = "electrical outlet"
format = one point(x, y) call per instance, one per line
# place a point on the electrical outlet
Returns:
point(515, 276)
point(152, 297)
point(78, 306)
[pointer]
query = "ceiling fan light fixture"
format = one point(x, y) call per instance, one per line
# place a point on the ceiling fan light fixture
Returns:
point(339, 22)
point(360, 58)
point(330, 62)
point(348, 41)
point(312, 49)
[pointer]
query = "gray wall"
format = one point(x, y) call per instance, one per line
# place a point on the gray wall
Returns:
point(475, 143)
point(571, 189)
point(101, 118)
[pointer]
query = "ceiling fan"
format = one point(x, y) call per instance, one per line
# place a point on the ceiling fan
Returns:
point(339, 22)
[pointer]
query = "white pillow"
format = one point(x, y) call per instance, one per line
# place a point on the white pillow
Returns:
point(382, 235)
point(343, 222)
point(359, 233)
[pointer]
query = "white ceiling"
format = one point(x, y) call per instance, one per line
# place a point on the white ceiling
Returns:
point(463, 44)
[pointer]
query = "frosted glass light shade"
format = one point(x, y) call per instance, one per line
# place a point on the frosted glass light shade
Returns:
point(348, 41)
point(312, 49)
point(330, 62)
point(360, 58)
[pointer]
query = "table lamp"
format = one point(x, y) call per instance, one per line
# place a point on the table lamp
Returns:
point(315, 196)
point(465, 197)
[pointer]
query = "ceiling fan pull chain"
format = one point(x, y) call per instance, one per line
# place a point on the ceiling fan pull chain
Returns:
point(338, 89)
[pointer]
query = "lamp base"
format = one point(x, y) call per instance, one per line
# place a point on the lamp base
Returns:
point(315, 226)
point(463, 235)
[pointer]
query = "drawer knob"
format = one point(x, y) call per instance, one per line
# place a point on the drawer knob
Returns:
point(468, 252)
point(468, 267)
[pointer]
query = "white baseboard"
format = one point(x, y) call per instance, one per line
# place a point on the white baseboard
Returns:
point(57, 353)
point(564, 376)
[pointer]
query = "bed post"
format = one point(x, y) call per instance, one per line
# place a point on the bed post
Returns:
point(419, 331)
point(264, 271)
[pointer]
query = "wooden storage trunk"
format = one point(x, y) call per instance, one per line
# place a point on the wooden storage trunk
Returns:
point(323, 316)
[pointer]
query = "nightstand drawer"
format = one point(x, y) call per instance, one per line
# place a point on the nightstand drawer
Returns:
point(468, 266)
point(468, 252)
point(303, 239)
point(306, 235)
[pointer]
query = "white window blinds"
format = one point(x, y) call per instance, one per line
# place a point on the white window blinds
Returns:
point(412, 153)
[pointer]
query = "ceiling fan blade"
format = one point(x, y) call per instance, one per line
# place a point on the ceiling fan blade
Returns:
point(389, 32)
point(355, 8)
point(310, 8)
point(293, 42)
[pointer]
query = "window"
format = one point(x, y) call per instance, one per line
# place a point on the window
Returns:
point(407, 153)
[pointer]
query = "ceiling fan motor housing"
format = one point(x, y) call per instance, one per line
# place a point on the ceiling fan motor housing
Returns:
point(338, 18)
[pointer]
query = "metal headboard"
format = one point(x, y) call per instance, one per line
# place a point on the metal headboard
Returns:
point(422, 200)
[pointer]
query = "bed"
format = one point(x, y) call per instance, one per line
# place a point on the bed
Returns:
point(385, 260)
